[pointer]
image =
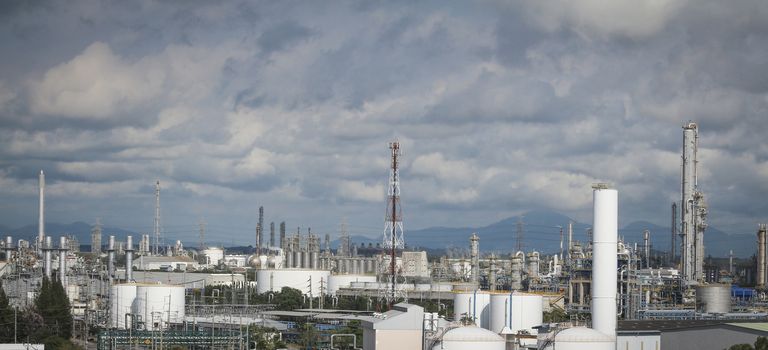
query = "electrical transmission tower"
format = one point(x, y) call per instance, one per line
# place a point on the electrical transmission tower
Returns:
point(393, 226)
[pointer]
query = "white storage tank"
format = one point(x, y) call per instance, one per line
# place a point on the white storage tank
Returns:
point(581, 338)
point(273, 280)
point(515, 312)
point(470, 338)
point(346, 281)
point(121, 299)
point(713, 298)
point(159, 304)
point(213, 255)
point(474, 305)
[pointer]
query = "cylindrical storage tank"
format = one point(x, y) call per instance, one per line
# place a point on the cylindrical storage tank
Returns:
point(369, 266)
point(289, 260)
point(273, 280)
point(345, 263)
point(474, 306)
point(121, 298)
point(213, 255)
point(713, 298)
point(470, 338)
point(581, 338)
point(345, 281)
point(159, 304)
point(315, 259)
point(305, 263)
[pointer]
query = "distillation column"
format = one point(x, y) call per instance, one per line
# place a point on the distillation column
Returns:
point(761, 256)
point(111, 259)
point(47, 253)
point(63, 261)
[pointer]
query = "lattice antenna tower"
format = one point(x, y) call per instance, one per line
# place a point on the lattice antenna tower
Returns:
point(393, 224)
point(157, 218)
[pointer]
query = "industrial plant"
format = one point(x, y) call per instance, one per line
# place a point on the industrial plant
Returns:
point(294, 289)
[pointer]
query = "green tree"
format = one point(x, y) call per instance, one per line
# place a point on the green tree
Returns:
point(6, 318)
point(289, 299)
point(741, 347)
point(52, 304)
point(761, 343)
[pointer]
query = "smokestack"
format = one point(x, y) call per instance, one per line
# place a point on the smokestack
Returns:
point(761, 257)
point(282, 235)
point(63, 261)
point(129, 258)
point(604, 264)
point(111, 261)
point(47, 253)
point(474, 254)
point(41, 217)
point(647, 248)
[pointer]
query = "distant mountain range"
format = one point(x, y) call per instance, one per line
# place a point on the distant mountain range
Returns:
point(541, 231)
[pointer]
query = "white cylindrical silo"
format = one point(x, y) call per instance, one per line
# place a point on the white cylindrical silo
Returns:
point(159, 304)
point(121, 299)
point(604, 265)
point(470, 338)
point(713, 298)
point(516, 312)
point(474, 306)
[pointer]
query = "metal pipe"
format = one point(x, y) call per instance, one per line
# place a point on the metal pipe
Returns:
point(129, 259)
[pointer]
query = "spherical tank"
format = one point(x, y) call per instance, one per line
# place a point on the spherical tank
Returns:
point(345, 281)
point(474, 305)
point(470, 338)
point(713, 298)
point(159, 304)
point(580, 338)
point(273, 280)
point(121, 298)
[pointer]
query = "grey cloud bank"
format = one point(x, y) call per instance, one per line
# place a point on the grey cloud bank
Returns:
point(501, 107)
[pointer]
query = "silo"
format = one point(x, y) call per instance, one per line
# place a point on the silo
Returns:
point(470, 338)
point(516, 312)
point(713, 298)
point(473, 305)
point(159, 304)
point(121, 298)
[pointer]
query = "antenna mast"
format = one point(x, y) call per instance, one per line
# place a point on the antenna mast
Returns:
point(393, 226)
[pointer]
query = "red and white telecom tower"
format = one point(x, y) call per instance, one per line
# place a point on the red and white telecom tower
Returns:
point(393, 229)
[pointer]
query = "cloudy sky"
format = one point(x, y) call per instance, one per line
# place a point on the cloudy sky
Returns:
point(501, 107)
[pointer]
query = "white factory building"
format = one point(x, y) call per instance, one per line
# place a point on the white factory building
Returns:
point(165, 263)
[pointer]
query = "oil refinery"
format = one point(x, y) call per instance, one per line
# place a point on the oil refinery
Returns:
point(293, 290)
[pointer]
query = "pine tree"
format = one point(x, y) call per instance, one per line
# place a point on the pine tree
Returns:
point(52, 304)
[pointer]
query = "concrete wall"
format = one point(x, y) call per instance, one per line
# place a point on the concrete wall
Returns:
point(391, 339)
point(638, 342)
point(705, 338)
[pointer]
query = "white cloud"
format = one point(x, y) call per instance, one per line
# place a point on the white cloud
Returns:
point(639, 18)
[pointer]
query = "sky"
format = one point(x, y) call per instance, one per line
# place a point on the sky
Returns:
point(500, 107)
